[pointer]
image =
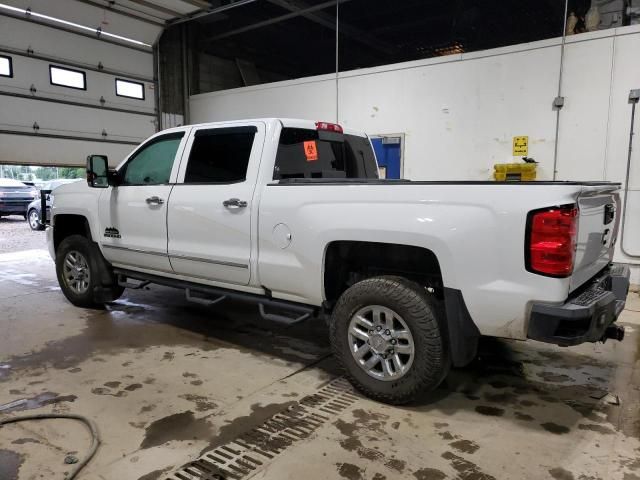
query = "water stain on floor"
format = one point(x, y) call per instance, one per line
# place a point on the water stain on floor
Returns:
point(553, 427)
point(203, 404)
point(465, 446)
point(560, 473)
point(10, 463)
point(466, 470)
point(489, 411)
point(429, 474)
point(232, 430)
point(350, 471)
point(180, 426)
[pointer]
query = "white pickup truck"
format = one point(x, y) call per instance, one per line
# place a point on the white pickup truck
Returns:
point(291, 215)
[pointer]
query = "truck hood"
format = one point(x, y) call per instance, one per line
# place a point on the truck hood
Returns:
point(73, 187)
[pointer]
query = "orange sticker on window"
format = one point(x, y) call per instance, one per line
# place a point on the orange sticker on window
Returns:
point(311, 151)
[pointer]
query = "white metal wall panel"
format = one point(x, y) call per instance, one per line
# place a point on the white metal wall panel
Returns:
point(583, 120)
point(459, 117)
point(22, 35)
point(74, 115)
point(89, 16)
point(30, 71)
point(314, 100)
point(49, 151)
point(20, 114)
point(626, 76)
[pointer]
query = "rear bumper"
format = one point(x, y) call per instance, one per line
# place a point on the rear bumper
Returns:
point(585, 317)
point(14, 208)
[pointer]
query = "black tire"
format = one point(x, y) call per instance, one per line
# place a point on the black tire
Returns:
point(38, 225)
point(420, 311)
point(102, 286)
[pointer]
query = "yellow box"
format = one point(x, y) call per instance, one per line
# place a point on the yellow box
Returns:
point(515, 172)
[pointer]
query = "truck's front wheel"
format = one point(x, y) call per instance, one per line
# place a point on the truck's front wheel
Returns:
point(385, 333)
point(81, 269)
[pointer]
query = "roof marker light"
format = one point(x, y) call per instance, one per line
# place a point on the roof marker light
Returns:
point(329, 127)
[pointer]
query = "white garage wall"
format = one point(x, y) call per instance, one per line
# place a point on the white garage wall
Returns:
point(459, 113)
point(94, 120)
point(459, 116)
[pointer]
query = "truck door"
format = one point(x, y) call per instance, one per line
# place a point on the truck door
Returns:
point(212, 205)
point(133, 215)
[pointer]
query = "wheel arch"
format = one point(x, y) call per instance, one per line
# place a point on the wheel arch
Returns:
point(66, 225)
point(346, 262)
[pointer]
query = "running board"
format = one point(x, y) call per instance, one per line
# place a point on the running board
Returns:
point(274, 317)
point(197, 293)
point(122, 281)
point(203, 301)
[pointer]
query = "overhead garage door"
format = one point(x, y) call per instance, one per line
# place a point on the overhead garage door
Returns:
point(69, 92)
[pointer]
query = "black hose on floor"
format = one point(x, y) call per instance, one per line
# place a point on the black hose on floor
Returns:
point(95, 442)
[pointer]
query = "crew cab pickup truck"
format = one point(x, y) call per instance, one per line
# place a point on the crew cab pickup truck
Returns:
point(291, 215)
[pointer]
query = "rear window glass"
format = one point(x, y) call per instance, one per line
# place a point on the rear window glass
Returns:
point(305, 153)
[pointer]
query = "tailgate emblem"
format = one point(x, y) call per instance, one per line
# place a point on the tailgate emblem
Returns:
point(609, 213)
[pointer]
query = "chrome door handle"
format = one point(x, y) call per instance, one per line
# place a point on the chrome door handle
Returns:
point(235, 202)
point(154, 201)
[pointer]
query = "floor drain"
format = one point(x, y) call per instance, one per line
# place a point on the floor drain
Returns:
point(249, 452)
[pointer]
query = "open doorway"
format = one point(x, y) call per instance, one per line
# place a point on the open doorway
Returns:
point(389, 150)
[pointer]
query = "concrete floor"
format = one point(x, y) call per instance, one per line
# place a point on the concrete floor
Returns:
point(168, 381)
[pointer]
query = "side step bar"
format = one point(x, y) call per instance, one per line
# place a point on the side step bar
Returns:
point(196, 293)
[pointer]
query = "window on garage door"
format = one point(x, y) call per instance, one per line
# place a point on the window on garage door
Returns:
point(126, 88)
point(6, 66)
point(66, 77)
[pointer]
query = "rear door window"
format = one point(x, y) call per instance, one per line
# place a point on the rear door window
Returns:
point(306, 153)
point(220, 155)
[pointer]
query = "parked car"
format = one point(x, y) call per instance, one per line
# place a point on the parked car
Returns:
point(15, 197)
point(34, 210)
point(291, 215)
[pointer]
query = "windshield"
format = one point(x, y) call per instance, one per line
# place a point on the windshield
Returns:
point(306, 153)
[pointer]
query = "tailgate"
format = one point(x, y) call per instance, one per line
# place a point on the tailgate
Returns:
point(597, 230)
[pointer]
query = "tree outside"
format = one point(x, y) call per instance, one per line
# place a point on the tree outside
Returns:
point(34, 174)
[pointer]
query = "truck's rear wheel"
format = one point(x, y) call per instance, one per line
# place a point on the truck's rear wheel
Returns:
point(385, 333)
point(81, 270)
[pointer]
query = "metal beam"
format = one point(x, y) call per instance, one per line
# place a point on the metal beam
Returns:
point(203, 4)
point(157, 8)
point(275, 20)
point(325, 20)
point(69, 63)
point(111, 7)
point(214, 11)
point(75, 104)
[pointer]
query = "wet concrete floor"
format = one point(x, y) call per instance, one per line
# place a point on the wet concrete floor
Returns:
point(166, 381)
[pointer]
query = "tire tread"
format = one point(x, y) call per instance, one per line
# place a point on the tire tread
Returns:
point(424, 311)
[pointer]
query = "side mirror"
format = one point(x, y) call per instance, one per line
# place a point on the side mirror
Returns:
point(97, 171)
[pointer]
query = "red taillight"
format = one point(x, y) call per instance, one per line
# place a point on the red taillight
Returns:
point(329, 127)
point(551, 243)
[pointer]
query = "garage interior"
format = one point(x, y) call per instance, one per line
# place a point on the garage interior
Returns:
point(180, 391)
